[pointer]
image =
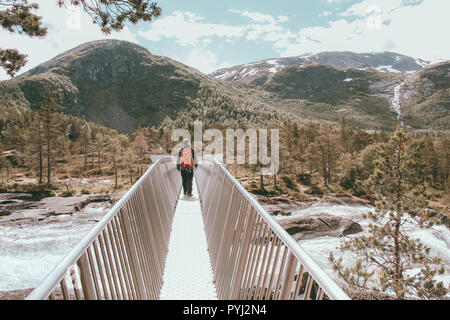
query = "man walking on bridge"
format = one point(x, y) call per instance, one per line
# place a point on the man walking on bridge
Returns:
point(186, 160)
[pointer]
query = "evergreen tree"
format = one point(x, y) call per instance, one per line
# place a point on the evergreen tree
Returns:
point(100, 141)
point(397, 184)
point(443, 155)
point(325, 150)
point(115, 149)
point(140, 148)
point(36, 142)
point(51, 127)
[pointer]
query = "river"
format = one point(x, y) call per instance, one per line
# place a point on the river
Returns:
point(29, 252)
point(437, 238)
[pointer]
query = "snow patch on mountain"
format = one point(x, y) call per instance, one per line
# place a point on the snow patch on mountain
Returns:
point(387, 69)
point(250, 73)
point(224, 75)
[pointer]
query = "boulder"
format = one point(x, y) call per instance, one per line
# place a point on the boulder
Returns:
point(343, 199)
point(20, 294)
point(441, 218)
point(319, 225)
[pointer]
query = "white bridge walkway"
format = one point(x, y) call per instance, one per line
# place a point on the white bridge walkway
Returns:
point(188, 273)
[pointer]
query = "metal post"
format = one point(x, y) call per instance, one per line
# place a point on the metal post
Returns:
point(86, 278)
point(288, 278)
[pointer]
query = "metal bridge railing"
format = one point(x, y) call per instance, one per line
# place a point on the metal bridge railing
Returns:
point(123, 257)
point(252, 256)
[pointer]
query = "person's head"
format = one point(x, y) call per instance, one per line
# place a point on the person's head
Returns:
point(186, 143)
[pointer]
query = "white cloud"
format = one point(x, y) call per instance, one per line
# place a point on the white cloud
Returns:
point(187, 29)
point(203, 60)
point(395, 25)
point(411, 27)
point(255, 16)
point(325, 14)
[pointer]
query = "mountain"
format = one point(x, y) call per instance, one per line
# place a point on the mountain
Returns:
point(373, 90)
point(258, 73)
point(425, 97)
point(123, 86)
point(318, 91)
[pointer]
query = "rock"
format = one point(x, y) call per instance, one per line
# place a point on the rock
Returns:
point(61, 205)
point(284, 209)
point(20, 294)
point(320, 225)
point(4, 213)
point(440, 217)
point(444, 219)
point(93, 198)
point(343, 199)
point(13, 210)
point(12, 202)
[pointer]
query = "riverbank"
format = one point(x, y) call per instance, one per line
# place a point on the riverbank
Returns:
point(38, 234)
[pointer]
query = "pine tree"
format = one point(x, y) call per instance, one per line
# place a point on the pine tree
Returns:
point(115, 149)
point(100, 141)
point(325, 151)
point(36, 141)
point(443, 155)
point(140, 148)
point(51, 127)
point(397, 183)
point(430, 160)
point(84, 143)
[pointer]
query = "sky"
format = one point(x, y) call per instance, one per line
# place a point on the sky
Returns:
point(212, 34)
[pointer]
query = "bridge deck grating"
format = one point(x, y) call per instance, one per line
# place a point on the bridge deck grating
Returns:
point(188, 273)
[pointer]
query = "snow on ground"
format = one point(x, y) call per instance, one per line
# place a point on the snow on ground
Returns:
point(250, 73)
point(273, 62)
point(273, 70)
point(348, 80)
point(226, 74)
point(422, 63)
point(387, 69)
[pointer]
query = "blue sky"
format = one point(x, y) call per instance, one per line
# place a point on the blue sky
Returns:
point(212, 34)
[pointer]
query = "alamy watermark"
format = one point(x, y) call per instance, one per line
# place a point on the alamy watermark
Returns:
point(212, 142)
point(74, 17)
point(375, 17)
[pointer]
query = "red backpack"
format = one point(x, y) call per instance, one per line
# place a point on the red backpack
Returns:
point(187, 160)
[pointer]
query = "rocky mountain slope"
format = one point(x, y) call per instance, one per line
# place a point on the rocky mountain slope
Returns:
point(425, 97)
point(373, 90)
point(123, 86)
point(258, 73)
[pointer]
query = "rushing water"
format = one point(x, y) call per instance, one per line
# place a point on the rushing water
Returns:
point(437, 238)
point(396, 103)
point(30, 251)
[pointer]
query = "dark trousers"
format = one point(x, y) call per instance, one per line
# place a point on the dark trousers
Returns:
point(186, 175)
